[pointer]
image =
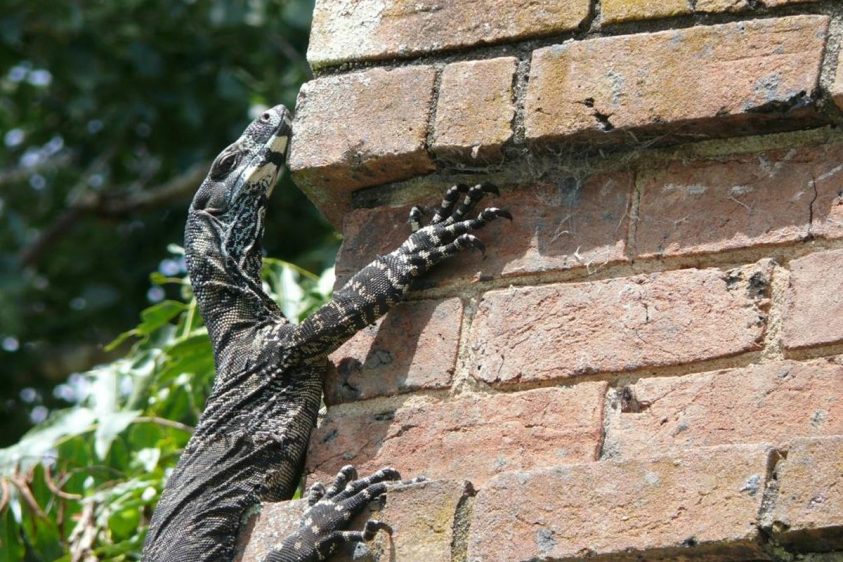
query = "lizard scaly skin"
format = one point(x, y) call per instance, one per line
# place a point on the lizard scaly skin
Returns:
point(250, 441)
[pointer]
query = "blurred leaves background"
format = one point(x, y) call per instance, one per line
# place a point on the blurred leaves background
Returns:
point(110, 112)
point(82, 485)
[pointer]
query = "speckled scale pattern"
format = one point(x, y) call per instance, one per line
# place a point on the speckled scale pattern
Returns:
point(250, 442)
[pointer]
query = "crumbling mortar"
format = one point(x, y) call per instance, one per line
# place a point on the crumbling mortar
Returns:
point(633, 212)
point(764, 519)
point(462, 524)
point(463, 383)
point(431, 116)
point(815, 352)
point(832, 46)
point(591, 24)
point(810, 235)
point(781, 254)
point(522, 166)
point(780, 279)
point(617, 380)
point(381, 405)
point(519, 90)
point(606, 450)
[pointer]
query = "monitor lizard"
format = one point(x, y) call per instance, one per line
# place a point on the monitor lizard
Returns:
point(250, 441)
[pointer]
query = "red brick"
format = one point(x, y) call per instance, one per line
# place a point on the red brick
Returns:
point(475, 109)
point(422, 520)
point(808, 508)
point(740, 201)
point(474, 437)
point(559, 331)
point(268, 528)
point(556, 226)
point(421, 517)
point(702, 502)
point(769, 403)
point(650, 80)
point(343, 30)
point(413, 347)
point(360, 129)
point(814, 308)
point(614, 11)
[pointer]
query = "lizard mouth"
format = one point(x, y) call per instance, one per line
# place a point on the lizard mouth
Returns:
point(277, 147)
point(272, 155)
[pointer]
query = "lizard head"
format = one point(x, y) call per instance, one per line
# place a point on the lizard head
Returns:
point(227, 213)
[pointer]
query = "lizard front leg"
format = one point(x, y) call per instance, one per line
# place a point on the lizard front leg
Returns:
point(384, 282)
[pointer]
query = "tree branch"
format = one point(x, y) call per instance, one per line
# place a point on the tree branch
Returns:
point(101, 205)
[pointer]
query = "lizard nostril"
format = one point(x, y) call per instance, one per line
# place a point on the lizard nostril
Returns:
point(265, 117)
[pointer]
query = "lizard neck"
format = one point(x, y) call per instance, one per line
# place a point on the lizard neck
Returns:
point(228, 290)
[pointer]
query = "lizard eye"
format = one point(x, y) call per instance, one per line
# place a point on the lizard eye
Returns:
point(226, 162)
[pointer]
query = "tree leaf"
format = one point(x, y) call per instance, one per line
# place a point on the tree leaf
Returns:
point(156, 316)
point(40, 440)
point(108, 427)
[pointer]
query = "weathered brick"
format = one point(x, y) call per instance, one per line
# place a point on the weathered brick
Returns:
point(814, 309)
point(557, 226)
point(558, 331)
point(421, 517)
point(345, 30)
point(770, 403)
point(808, 508)
point(422, 520)
point(769, 198)
point(614, 11)
point(360, 129)
point(475, 109)
point(268, 529)
point(673, 508)
point(651, 80)
point(413, 347)
point(474, 437)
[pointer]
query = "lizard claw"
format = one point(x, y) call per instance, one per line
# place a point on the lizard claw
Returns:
point(504, 213)
point(472, 242)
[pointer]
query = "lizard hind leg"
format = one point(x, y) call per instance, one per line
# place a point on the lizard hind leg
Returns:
point(321, 528)
point(326, 546)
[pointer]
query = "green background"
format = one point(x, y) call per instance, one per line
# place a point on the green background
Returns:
point(103, 103)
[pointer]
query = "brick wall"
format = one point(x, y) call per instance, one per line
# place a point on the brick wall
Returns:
point(648, 362)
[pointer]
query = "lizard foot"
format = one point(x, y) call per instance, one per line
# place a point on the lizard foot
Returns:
point(321, 528)
point(449, 230)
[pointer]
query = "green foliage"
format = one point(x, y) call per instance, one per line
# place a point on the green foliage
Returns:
point(86, 480)
point(102, 105)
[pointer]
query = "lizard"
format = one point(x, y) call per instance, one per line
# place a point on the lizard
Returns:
point(249, 443)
